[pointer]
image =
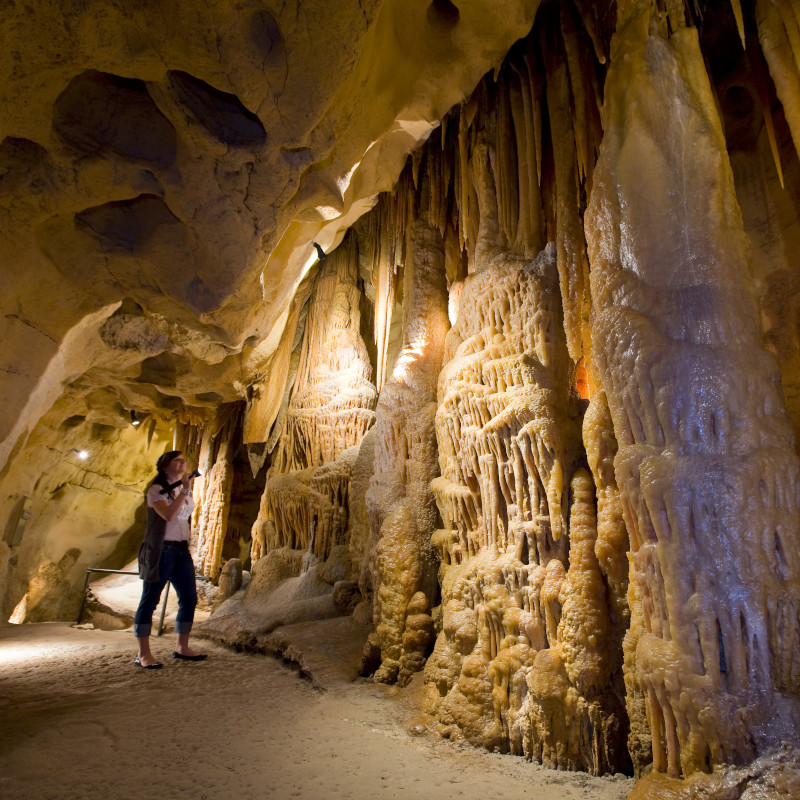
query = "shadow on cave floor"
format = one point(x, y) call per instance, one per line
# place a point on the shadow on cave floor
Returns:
point(80, 721)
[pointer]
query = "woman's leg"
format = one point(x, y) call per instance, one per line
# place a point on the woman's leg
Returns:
point(143, 621)
point(183, 579)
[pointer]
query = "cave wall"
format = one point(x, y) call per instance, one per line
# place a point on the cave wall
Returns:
point(533, 419)
point(706, 465)
point(64, 513)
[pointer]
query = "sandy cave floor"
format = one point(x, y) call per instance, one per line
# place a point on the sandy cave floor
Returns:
point(78, 720)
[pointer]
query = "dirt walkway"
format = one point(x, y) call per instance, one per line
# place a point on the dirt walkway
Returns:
point(80, 721)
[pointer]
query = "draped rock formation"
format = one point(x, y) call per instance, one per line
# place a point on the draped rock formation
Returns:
point(534, 416)
point(514, 654)
point(706, 464)
point(399, 500)
point(214, 494)
point(330, 410)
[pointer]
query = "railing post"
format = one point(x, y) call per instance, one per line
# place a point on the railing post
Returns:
point(83, 597)
point(163, 611)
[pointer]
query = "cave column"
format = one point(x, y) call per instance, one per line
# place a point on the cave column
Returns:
point(706, 466)
point(400, 502)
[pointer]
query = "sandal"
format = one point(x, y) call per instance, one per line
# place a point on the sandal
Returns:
point(198, 657)
point(138, 663)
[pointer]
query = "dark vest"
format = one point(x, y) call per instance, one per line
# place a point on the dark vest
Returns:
point(150, 551)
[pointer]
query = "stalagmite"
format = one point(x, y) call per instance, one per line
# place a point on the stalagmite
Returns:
point(706, 465)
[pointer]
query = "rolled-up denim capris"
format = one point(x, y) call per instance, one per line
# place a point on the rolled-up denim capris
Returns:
point(177, 567)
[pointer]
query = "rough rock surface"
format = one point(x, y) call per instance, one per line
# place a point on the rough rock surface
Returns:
point(601, 451)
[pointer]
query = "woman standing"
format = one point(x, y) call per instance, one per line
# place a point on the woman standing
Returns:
point(164, 556)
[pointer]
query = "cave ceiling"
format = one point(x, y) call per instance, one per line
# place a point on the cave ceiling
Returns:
point(163, 174)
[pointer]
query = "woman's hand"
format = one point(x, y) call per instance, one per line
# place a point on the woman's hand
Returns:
point(169, 511)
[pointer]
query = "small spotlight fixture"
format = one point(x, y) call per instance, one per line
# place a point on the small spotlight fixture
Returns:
point(81, 454)
point(134, 421)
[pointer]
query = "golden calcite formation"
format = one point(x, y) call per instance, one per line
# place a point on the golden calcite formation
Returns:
point(706, 466)
point(580, 504)
point(331, 408)
point(399, 501)
point(213, 493)
point(523, 659)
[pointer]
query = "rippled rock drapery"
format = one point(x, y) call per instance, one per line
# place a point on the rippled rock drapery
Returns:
point(522, 662)
point(330, 410)
point(213, 492)
point(706, 466)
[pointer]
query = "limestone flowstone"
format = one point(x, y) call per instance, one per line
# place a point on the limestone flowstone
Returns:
point(706, 466)
point(330, 410)
point(245, 229)
point(399, 500)
point(525, 637)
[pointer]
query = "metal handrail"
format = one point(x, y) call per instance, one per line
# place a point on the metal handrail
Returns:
point(90, 570)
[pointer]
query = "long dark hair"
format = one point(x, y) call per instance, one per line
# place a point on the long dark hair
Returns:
point(161, 465)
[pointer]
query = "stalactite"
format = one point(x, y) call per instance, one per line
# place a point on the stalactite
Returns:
point(467, 204)
point(530, 225)
point(736, 7)
point(588, 11)
point(760, 79)
point(779, 34)
point(277, 427)
point(267, 394)
point(580, 125)
point(384, 276)
point(507, 169)
point(572, 264)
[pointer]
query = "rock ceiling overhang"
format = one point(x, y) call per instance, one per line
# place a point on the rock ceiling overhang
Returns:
point(163, 172)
